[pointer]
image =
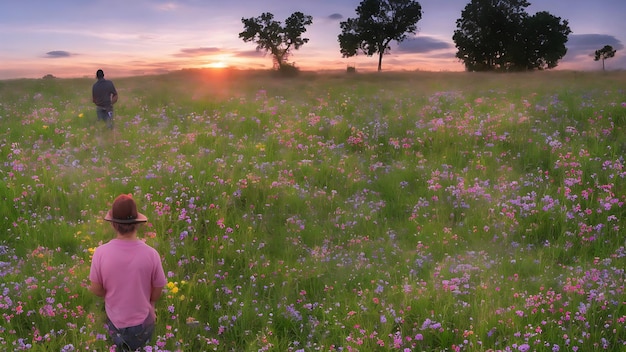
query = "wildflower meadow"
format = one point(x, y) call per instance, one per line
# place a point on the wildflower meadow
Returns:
point(399, 211)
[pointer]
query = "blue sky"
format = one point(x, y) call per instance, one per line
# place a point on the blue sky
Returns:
point(73, 38)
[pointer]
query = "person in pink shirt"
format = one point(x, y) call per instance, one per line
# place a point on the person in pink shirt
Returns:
point(129, 275)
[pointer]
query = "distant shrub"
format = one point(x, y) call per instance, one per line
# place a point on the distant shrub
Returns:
point(288, 70)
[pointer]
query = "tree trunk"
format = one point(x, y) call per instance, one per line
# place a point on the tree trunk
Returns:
point(380, 61)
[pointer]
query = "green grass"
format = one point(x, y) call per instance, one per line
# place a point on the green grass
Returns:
point(390, 211)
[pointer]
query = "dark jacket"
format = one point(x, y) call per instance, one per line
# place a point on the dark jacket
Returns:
point(103, 93)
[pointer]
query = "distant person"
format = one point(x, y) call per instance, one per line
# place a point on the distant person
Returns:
point(104, 96)
point(129, 275)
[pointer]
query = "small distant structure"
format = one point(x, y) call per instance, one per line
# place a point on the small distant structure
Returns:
point(48, 76)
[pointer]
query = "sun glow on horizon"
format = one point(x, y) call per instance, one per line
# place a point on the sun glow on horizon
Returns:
point(216, 64)
point(217, 61)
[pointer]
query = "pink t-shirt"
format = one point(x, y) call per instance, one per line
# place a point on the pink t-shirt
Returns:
point(128, 270)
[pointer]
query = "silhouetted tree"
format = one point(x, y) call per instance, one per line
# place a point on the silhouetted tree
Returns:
point(500, 35)
point(544, 38)
point(378, 23)
point(271, 36)
point(605, 53)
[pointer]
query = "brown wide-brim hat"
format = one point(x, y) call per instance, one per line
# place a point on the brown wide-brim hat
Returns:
point(124, 211)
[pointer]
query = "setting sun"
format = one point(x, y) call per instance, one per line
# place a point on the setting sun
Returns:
point(216, 64)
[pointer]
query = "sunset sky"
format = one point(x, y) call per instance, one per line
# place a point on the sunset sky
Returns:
point(74, 38)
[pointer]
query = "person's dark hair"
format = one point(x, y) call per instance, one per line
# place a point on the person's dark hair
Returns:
point(100, 74)
point(124, 229)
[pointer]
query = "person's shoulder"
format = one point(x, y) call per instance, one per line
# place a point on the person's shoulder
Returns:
point(151, 249)
point(144, 244)
point(107, 244)
point(102, 248)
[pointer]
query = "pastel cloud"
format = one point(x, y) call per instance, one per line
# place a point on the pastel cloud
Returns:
point(55, 54)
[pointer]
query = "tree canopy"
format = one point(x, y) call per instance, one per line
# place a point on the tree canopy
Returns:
point(606, 52)
point(378, 23)
point(499, 35)
point(270, 35)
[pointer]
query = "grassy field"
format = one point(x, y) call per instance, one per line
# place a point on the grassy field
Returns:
point(405, 211)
